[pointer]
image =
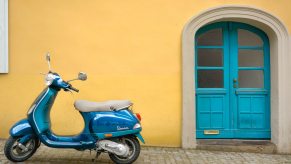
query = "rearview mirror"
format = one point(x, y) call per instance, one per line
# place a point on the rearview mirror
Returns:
point(48, 58)
point(82, 76)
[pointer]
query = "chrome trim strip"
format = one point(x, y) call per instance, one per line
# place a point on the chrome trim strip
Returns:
point(36, 107)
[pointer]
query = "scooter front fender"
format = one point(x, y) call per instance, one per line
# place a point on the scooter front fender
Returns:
point(21, 128)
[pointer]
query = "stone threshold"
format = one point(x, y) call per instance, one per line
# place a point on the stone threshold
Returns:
point(237, 145)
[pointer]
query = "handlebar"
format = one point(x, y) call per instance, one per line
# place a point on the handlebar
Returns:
point(70, 87)
point(74, 89)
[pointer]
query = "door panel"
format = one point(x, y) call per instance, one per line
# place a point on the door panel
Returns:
point(250, 66)
point(212, 114)
point(232, 82)
point(251, 111)
point(212, 111)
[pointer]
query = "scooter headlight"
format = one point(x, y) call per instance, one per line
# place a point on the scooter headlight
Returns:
point(49, 78)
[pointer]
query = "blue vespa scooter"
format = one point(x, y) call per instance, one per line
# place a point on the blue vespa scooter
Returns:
point(110, 126)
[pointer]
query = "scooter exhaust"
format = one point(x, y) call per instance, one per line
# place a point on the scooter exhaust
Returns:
point(113, 147)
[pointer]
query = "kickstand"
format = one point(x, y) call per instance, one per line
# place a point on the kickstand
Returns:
point(96, 157)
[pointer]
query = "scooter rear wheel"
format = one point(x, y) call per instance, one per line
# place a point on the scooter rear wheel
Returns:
point(15, 153)
point(134, 149)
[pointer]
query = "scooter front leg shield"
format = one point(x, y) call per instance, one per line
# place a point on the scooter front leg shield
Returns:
point(21, 128)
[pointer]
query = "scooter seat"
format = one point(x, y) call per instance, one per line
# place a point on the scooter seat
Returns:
point(88, 106)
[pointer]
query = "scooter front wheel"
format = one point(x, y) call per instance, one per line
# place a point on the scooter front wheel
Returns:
point(16, 152)
point(134, 150)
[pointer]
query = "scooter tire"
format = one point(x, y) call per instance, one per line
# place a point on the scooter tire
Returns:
point(136, 147)
point(8, 149)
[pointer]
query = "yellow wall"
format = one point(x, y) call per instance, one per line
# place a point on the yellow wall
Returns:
point(130, 49)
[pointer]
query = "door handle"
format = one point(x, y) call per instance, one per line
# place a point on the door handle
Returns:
point(234, 83)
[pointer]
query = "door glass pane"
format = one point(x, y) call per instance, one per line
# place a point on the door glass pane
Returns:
point(210, 38)
point(250, 58)
point(247, 38)
point(210, 78)
point(210, 57)
point(251, 78)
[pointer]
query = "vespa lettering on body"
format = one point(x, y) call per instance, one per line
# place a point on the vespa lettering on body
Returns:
point(122, 128)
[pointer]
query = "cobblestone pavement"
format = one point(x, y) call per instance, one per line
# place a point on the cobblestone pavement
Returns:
point(154, 155)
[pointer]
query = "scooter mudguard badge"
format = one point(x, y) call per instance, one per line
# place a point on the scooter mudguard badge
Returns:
point(110, 126)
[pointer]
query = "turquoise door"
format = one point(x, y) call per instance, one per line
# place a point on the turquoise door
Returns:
point(232, 71)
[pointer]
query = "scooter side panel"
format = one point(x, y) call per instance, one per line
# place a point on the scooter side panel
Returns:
point(118, 134)
point(114, 121)
point(21, 128)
